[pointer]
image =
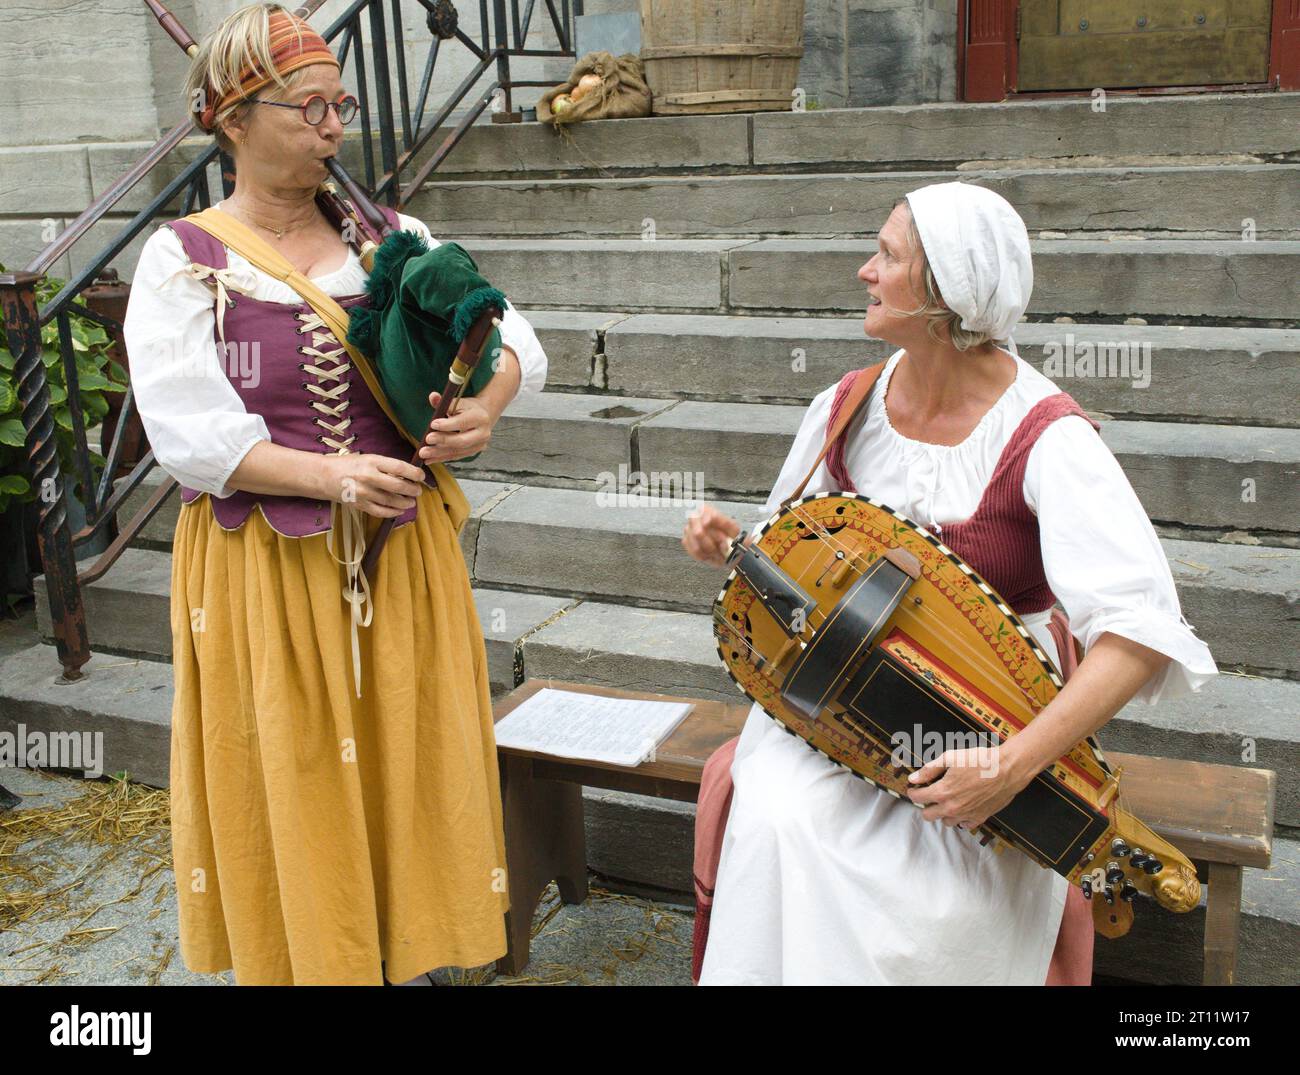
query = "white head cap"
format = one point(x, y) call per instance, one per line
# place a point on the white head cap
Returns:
point(978, 248)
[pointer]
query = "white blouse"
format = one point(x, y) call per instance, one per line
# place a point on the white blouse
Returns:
point(197, 424)
point(1101, 556)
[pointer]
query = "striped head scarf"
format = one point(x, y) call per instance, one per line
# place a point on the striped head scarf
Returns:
point(293, 44)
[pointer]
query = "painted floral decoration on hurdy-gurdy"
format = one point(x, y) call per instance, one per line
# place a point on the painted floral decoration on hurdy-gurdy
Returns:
point(865, 636)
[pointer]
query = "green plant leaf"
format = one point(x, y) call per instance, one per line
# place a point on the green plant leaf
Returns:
point(94, 405)
point(92, 381)
point(12, 432)
point(14, 484)
point(8, 398)
point(7, 360)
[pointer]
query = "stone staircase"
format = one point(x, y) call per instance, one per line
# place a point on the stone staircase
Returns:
point(679, 271)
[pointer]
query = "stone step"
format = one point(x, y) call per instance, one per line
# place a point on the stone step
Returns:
point(572, 542)
point(1205, 201)
point(128, 613)
point(1163, 278)
point(1216, 374)
point(1212, 476)
point(1194, 475)
point(897, 136)
point(125, 700)
point(1234, 719)
point(613, 544)
point(578, 436)
point(158, 531)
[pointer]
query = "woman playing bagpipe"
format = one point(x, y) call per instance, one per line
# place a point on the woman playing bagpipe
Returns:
point(336, 813)
point(824, 878)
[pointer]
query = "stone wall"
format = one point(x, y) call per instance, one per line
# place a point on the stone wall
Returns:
point(80, 71)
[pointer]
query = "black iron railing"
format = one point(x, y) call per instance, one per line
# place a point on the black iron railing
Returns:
point(402, 130)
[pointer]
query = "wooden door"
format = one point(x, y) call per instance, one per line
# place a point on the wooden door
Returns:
point(1082, 44)
point(1073, 46)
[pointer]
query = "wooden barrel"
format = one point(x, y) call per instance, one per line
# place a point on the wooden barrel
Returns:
point(705, 56)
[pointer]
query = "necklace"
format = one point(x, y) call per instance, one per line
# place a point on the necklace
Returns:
point(277, 232)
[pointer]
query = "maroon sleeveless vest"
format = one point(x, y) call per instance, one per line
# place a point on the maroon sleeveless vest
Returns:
point(301, 389)
point(1000, 541)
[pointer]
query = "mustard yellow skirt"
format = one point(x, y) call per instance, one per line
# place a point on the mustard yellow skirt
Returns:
point(316, 834)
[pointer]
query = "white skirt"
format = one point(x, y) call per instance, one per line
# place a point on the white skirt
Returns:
point(827, 880)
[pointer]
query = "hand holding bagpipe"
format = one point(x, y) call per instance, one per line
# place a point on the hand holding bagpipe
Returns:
point(462, 368)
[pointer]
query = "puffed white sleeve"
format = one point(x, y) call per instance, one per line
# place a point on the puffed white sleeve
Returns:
point(516, 332)
point(1103, 559)
point(196, 422)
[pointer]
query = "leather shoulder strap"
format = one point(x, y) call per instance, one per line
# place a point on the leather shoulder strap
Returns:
point(863, 383)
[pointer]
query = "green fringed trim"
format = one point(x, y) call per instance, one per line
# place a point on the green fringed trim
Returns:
point(391, 257)
point(363, 329)
point(471, 307)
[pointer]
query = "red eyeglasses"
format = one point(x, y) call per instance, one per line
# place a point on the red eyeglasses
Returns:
point(315, 108)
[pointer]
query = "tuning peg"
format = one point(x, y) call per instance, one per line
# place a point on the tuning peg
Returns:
point(1129, 892)
point(1119, 848)
point(1086, 885)
point(1153, 866)
point(1114, 875)
point(1110, 896)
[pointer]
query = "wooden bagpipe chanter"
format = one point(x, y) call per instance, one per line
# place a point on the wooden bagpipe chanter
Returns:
point(865, 636)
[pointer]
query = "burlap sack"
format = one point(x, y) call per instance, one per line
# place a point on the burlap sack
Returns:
point(622, 94)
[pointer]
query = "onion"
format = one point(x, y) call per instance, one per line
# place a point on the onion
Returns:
point(585, 85)
point(561, 104)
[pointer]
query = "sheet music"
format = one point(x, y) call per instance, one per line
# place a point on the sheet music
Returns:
point(591, 727)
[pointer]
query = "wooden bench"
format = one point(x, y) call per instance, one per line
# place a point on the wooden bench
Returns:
point(1219, 816)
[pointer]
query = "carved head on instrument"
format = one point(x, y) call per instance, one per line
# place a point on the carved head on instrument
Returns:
point(1177, 888)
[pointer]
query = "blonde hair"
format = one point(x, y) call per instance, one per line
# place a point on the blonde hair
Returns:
point(242, 43)
point(937, 315)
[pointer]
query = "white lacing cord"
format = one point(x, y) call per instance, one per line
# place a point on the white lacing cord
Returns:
point(222, 279)
point(326, 348)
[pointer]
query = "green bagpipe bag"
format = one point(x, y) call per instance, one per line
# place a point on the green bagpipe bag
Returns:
point(422, 303)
